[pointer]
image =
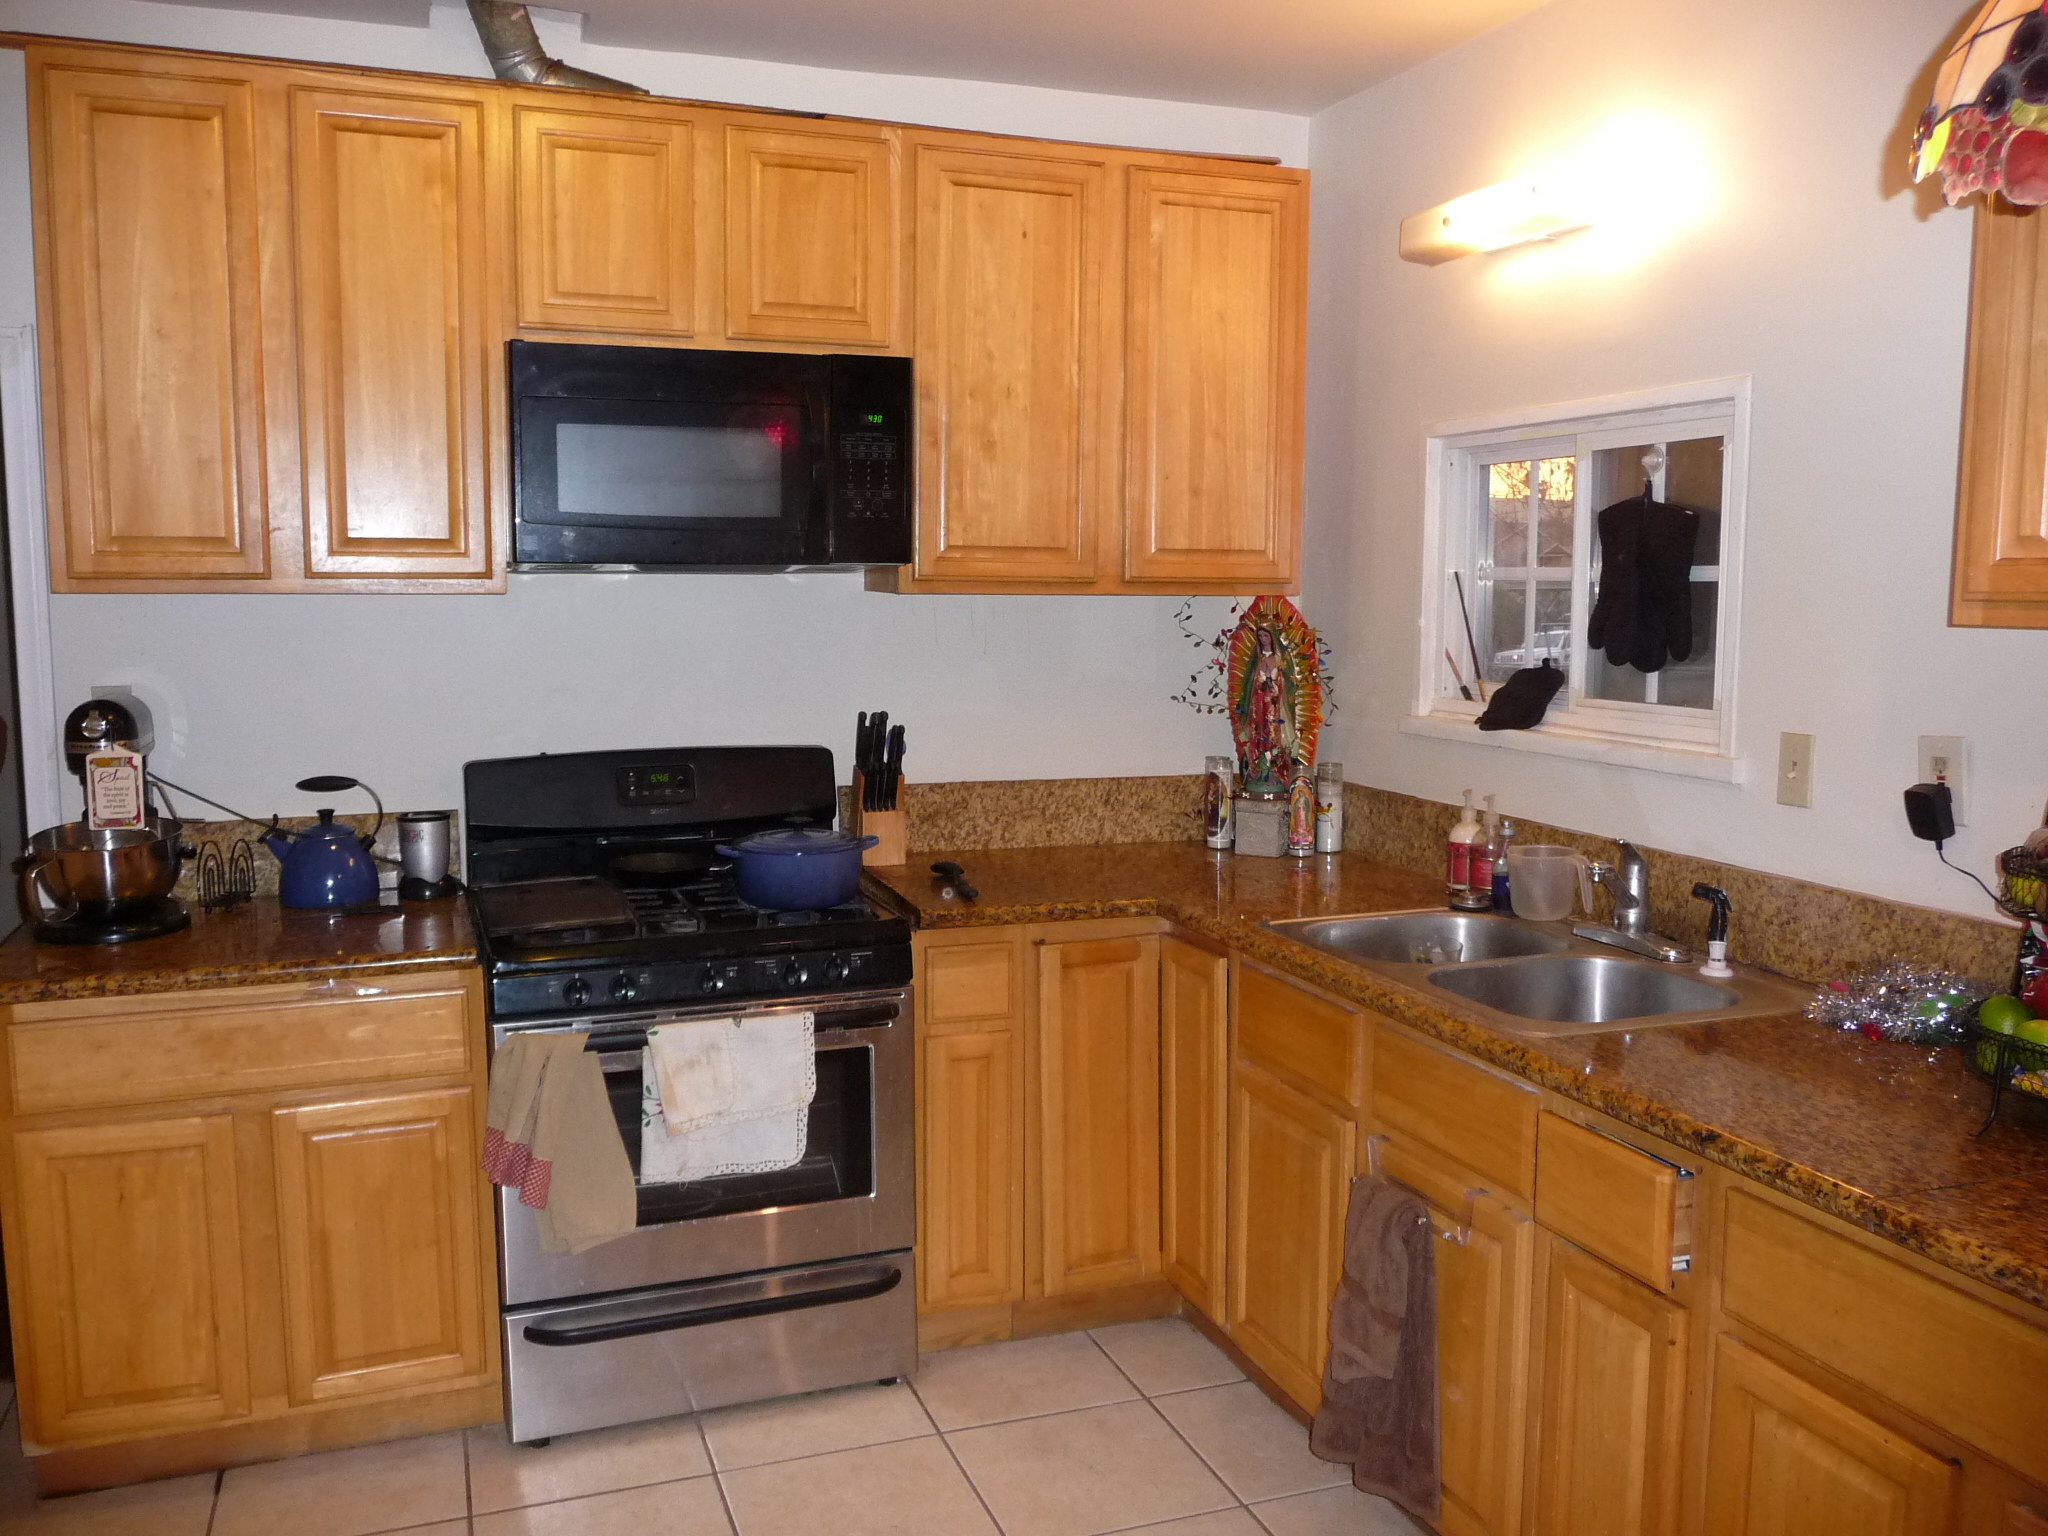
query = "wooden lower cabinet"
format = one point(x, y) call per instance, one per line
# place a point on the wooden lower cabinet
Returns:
point(1291, 1159)
point(1194, 1069)
point(128, 1241)
point(383, 1274)
point(969, 1167)
point(1783, 1456)
point(197, 1283)
point(1098, 1112)
point(1611, 1408)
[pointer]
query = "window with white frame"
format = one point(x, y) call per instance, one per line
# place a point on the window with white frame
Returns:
point(1515, 572)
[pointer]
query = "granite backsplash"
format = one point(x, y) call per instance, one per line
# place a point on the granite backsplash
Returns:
point(1797, 928)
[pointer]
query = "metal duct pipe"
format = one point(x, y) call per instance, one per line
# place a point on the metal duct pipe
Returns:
point(514, 50)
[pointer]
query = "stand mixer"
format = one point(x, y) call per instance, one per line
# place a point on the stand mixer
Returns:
point(82, 886)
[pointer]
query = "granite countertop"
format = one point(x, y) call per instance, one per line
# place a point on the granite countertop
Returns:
point(1876, 1133)
point(257, 942)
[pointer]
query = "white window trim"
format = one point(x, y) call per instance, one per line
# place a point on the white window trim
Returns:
point(1710, 753)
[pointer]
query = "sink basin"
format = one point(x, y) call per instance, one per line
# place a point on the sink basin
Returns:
point(1403, 938)
point(1583, 989)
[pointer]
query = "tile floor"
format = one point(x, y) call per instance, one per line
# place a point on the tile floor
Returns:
point(1144, 1427)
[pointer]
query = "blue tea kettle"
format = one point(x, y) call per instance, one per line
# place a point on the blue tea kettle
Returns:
point(328, 865)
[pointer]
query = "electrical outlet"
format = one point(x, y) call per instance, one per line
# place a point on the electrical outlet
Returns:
point(1942, 760)
point(1795, 769)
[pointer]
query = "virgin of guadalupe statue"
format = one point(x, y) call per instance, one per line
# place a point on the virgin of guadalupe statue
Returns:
point(1275, 697)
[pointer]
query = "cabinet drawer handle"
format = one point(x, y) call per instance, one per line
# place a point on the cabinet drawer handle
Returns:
point(728, 1312)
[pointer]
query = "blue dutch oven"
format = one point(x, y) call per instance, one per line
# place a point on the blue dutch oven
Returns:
point(798, 869)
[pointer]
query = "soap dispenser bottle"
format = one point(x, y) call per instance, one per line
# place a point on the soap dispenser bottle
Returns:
point(1503, 840)
point(1482, 857)
point(1464, 834)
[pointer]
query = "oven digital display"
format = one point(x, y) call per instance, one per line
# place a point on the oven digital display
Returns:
point(658, 784)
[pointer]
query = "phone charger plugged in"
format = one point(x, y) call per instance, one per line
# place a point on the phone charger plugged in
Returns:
point(1930, 812)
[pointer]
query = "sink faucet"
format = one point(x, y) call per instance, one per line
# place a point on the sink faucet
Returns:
point(1628, 926)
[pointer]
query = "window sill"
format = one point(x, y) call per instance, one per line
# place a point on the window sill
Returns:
point(1548, 741)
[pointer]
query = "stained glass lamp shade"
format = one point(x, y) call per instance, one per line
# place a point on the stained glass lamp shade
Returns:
point(1986, 129)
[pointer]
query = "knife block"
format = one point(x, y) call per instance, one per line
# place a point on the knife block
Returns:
point(892, 828)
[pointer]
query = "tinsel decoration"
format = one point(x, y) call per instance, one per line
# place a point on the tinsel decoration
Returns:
point(1899, 1000)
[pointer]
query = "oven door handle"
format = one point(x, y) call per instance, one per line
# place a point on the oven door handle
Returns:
point(725, 1312)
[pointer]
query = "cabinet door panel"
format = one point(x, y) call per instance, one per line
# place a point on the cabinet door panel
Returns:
point(1194, 1039)
point(810, 232)
point(132, 1257)
point(1613, 1402)
point(1213, 376)
point(1099, 1112)
point(377, 1218)
point(969, 1192)
point(1485, 1269)
point(395, 354)
point(149, 207)
point(1017, 472)
point(2001, 552)
point(606, 235)
point(1290, 1175)
point(1786, 1459)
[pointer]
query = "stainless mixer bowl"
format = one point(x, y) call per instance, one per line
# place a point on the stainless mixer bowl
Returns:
point(71, 865)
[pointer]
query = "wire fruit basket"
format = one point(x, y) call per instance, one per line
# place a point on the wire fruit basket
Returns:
point(2004, 1061)
point(2025, 877)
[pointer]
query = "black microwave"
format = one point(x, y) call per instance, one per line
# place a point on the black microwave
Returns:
point(689, 459)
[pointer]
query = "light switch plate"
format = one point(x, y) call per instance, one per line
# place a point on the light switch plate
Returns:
point(1795, 769)
point(1942, 761)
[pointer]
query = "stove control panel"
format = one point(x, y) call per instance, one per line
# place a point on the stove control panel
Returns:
point(692, 983)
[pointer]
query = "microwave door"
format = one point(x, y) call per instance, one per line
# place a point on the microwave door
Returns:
point(663, 482)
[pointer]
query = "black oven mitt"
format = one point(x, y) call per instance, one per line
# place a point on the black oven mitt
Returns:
point(1643, 614)
point(1518, 703)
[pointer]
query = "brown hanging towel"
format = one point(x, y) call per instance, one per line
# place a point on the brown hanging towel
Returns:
point(1379, 1410)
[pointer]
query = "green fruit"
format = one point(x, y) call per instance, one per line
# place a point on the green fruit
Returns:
point(1987, 1056)
point(2033, 1031)
point(2003, 1014)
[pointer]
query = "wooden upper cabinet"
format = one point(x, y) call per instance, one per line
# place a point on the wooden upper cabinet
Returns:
point(131, 1307)
point(810, 235)
point(398, 361)
point(2001, 558)
point(1213, 376)
point(1784, 1456)
point(384, 1278)
point(146, 211)
point(1098, 1074)
point(1016, 421)
point(606, 222)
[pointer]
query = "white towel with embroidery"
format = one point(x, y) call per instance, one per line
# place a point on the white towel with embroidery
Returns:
point(726, 1096)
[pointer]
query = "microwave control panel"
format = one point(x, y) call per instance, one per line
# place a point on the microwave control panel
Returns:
point(869, 474)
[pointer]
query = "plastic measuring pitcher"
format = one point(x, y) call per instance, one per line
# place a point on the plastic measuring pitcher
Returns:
point(1540, 878)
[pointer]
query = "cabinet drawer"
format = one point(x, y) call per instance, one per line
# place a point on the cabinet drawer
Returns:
point(1955, 1361)
point(185, 1047)
point(974, 981)
point(1632, 1209)
point(1460, 1109)
point(1318, 1044)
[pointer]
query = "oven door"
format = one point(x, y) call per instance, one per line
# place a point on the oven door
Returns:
point(852, 1194)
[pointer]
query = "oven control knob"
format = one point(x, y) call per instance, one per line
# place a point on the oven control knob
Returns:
point(796, 974)
point(575, 991)
point(623, 990)
point(839, 970)
point(711, 980)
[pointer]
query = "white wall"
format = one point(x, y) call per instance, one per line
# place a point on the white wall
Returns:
point(1845, 298)
point(256, 692)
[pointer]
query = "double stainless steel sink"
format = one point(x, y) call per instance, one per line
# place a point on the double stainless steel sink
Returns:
point(1535, 979)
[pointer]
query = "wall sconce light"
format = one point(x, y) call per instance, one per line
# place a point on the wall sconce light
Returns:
point(1511, 212)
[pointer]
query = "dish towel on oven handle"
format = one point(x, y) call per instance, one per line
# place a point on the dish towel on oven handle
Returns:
point(549, 1133)
point(726, 1096)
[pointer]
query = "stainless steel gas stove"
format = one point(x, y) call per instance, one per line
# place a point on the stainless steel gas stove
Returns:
point(604, 907)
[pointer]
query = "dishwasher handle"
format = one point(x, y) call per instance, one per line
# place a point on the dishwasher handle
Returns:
point(717, 1312)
